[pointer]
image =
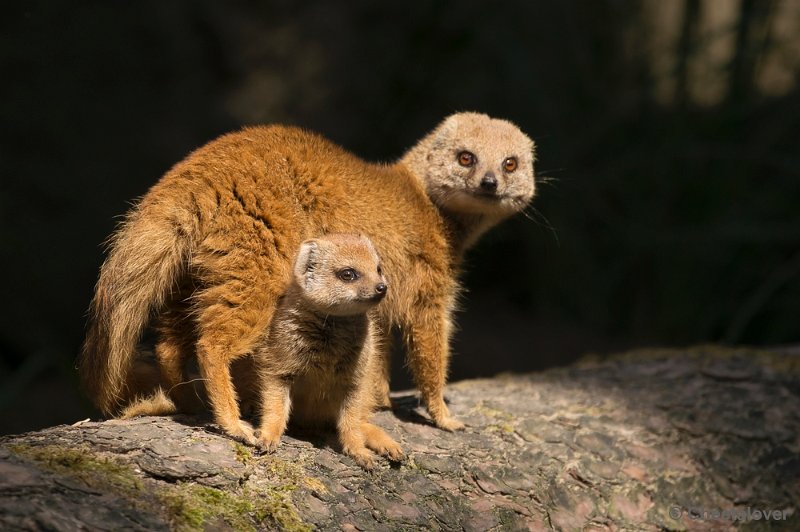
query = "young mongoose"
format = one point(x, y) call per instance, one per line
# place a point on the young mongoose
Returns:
point(318, 359)
point(208, 250)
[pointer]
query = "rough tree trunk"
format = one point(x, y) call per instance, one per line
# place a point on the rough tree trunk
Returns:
point(620, 443)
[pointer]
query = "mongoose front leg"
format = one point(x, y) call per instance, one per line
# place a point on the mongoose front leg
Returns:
point(380, 442)
point(351, 435)
point(275, 407)
point(428, 353)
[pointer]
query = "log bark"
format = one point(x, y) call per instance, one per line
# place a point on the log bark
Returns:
point(656, 439)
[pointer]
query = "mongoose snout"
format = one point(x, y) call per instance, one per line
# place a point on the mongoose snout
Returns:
point(380, 292)
point(489, 183)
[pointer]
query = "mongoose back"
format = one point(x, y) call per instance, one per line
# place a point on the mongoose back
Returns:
point(318, 358)
point(208, 250)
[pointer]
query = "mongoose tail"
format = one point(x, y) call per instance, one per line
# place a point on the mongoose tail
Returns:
point(148, 254)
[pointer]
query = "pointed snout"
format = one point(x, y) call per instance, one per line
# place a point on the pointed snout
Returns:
point(489, 183)
point(380, 291)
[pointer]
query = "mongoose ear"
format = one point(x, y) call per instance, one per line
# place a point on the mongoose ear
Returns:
point(306, 261)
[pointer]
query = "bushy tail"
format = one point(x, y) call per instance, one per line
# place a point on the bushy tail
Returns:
point(148, 254)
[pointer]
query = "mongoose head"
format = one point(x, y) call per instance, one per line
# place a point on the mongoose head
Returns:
point(476, 165)
point(340, 274)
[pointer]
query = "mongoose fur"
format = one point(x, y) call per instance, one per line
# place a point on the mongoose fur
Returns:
point(208, 250)
point(318, 359)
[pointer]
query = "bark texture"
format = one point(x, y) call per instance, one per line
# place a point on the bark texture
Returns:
point(627, 442)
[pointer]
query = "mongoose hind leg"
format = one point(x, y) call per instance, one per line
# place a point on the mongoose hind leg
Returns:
point(173, 378)
point(232, 312)
point(226, 335)
point(172, 351)
point(215, 369)
point(174, 347)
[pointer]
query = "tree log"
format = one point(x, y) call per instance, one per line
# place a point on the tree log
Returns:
point(653, 439)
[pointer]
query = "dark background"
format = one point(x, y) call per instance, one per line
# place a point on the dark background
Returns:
point(668, 208)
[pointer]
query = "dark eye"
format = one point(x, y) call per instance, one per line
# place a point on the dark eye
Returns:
point(510, 164)
point(467, 159)
point(380, 271)
point(347, 275)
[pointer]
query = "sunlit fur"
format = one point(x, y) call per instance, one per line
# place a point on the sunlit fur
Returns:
point(456, 189)
point(317, 268)
point(209, 250)
point(319, 356)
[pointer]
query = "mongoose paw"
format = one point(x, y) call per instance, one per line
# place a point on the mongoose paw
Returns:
point(393, 452)
point(362, 457)
point(268, 442)
point(380, 442)
point(441, 416)
point(243, 432)
point(449, 423)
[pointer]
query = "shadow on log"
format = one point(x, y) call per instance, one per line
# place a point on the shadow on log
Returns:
point(656, 439)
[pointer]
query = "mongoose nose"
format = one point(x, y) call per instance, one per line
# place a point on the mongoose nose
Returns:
point(380, 289)
point(489, 182)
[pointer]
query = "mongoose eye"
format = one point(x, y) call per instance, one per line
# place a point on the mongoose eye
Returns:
point(467, 159)
point(380, 271)
point(347, 275)
point(510, 164)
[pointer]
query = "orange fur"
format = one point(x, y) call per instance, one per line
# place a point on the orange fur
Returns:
point(209, 248)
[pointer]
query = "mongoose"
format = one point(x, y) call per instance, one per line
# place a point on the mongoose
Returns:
point(318, 358)
point(208, 250)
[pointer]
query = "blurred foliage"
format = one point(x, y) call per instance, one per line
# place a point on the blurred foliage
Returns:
point(667, 136)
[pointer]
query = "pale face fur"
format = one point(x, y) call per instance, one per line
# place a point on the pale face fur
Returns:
point(476, 165)
point(340, 275)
